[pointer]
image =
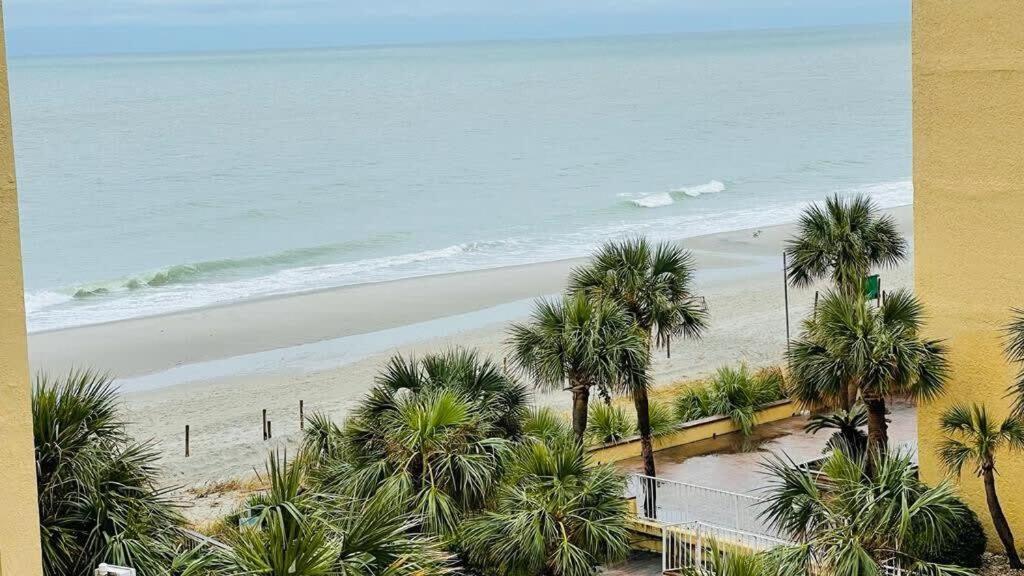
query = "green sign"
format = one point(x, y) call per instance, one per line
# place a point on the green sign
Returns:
point(872, 287)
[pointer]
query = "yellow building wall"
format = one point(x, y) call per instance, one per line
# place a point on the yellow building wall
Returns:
point(19, 520)
point(968, 100)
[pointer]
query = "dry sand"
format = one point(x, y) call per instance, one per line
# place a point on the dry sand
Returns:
point(739, 274)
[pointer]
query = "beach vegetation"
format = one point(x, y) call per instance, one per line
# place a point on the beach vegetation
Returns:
point(579, 344)
point(555, 514)
point(734, 392)
point(732, 561)
point(842, 241)
point(439, 451)
point(545, 423)
point(857, 514)
point(654, 284)
point(292, 530)
point(99, 499)
point(973, 438)
point(608, 423)
point(850, 347)
point(966, 548)
point(846, 427)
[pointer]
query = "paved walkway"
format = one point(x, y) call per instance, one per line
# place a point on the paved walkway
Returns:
point(734, 464)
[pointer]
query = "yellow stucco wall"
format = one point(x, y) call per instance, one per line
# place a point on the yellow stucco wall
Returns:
point(19, 521)
point(968, 59)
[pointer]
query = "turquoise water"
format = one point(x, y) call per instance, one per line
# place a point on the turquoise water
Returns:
point(158, 183)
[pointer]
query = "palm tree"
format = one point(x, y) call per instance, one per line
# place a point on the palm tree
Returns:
point(850, 521)
point(654, 284)
point(294, 531)
point(974, 437)
point(1015, 352)
point(843, 241)
point(437, 450)
point(847, 429)
point(499, 397)
point(848, 347)
point(580, 342)
point(555, 515)
point(97, 488)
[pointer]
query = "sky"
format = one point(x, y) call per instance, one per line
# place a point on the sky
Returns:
point(49, 27)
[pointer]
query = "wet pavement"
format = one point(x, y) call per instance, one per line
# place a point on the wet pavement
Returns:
point(734, 463)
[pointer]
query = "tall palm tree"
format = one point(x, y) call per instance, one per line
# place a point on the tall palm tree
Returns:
point(556, 514)
point(97, 488)
point(849, 347)
point(842, 241)
point(578, 342)
point(1015, 352)
point(974, 437)
point(851, 521)
point(654, 284)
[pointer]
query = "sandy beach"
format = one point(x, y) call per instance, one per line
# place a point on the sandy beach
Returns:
point(216, 369)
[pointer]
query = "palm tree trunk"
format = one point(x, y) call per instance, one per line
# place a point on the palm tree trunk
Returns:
point(878, 428)
point(999, 519)
point(643, 422)
point(851, 395)
point(580, 399)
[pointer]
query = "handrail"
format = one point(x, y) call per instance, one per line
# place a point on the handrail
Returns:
point(698, 486)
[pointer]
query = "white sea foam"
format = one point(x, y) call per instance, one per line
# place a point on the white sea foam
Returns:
point(50, 309)
point(653, 200)
point(711, 187)
point(886, 194)
point(660, 199)
point(41, 299)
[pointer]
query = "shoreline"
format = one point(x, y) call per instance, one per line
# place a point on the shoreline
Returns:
point(739, 273)
point(59, 349)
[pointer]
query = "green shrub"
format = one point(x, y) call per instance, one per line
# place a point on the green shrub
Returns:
point(663, 419)
point(732, 392)
point(98, 494)
point(608, 423)
point(964, 550)
point(544, 423)
point(693, 404)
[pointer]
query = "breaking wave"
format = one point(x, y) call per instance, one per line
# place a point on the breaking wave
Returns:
point(660, 199)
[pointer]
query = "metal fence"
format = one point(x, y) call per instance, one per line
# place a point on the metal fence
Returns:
point(671, 502)
point(689, 545)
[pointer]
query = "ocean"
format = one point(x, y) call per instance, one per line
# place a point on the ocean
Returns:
point(152, 184)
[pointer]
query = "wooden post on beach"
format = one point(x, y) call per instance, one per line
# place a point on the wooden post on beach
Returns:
point(269, 434)
point(302, 417)
point(785, 292)
point(186, 441)
point(265, 435)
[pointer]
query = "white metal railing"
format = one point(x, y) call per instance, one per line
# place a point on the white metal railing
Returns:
point(671, 502)
point(688, 545)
